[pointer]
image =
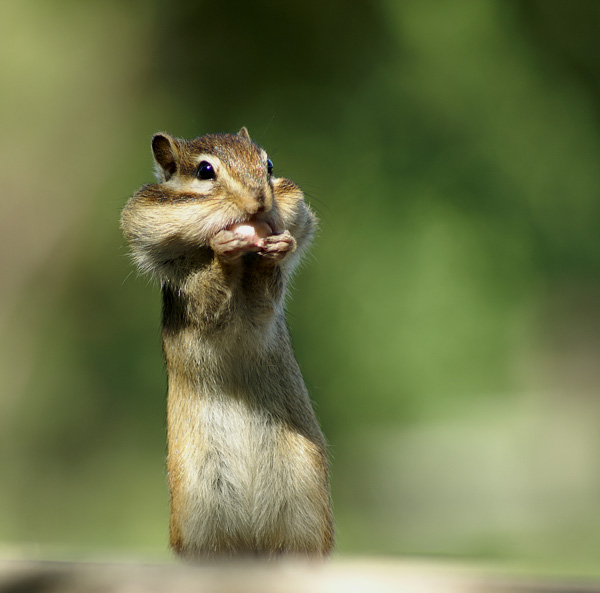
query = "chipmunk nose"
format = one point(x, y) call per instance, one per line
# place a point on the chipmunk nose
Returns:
point(259, 201)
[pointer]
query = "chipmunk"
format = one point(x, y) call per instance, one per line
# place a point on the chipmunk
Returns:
point(247, 461)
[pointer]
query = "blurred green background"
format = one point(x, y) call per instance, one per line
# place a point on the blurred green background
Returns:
point(447, 322)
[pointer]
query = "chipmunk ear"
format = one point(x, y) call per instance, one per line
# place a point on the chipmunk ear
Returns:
point(165, 154)
point(244, 133)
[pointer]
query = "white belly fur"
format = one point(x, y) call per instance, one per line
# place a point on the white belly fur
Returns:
point(253, 481)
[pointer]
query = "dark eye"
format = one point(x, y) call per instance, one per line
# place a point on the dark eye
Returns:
point(205, 171)
point(269, 167)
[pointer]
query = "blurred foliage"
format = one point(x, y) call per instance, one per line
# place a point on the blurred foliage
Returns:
point(447, 321)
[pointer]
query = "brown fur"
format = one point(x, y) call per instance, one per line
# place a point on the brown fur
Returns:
point(247, 461)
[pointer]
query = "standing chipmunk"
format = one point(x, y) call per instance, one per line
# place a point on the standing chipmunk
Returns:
point(247, 461)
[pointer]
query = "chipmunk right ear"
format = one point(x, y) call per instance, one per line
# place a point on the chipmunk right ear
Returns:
point(165, 155)
point(244, 133)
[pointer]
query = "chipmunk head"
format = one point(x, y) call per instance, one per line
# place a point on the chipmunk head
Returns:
point(205, 185)
point(227, 167)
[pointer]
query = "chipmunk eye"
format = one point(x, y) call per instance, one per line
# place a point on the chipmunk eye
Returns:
point(205, 171)
point(269, 167)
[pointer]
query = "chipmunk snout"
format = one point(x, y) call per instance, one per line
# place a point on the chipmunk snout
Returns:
point(257, 201)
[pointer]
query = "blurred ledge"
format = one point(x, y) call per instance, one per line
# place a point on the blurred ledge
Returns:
point(371, 575)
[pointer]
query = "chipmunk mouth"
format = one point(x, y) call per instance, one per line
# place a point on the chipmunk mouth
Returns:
point(255, 226)
point(252, 228)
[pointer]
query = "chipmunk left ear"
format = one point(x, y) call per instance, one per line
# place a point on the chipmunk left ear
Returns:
point(244, 133)
point(166, 155)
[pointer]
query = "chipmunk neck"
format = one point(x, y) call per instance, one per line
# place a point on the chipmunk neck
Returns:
point(216, 337)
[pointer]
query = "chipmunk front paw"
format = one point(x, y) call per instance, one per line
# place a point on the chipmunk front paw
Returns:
point(276, 247)
point(229, 245)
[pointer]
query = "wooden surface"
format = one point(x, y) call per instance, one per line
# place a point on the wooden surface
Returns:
point(343, 576)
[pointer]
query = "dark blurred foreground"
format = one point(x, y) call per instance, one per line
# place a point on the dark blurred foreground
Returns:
point(372, 575)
